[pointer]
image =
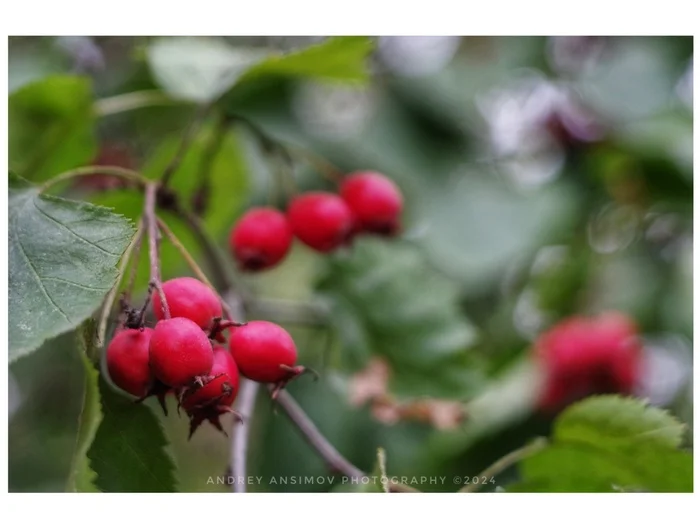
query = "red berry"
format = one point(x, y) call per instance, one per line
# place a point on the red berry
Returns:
point(375, 200)
point(264, 352)
point(583, 356)
point(321, 220)
point(127, 360)
point(216, 396)
point(260, 239)
point(180, 352)
point(188, 298)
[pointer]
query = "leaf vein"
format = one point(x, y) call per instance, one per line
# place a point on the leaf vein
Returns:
point(60, 224)
point(18, 242)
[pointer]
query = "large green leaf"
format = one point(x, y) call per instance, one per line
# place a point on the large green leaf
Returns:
point(129, 452)
point(616, 423)
point(51, 126)
point(610, 443)
point(202, 69)
point(62, 262)
point(409, 312)
point(82, 477)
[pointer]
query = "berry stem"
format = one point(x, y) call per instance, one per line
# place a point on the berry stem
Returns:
point(185, 142)
point(111, 296)
point(323, 166)
point(149, 216)
point(239, 441)
point(124, 173)
point(507, 461)
point(200, 197)
point(270, 144)
point(175, 241)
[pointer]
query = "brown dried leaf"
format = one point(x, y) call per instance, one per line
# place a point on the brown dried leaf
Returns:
point(370, 383)
point(371, 386)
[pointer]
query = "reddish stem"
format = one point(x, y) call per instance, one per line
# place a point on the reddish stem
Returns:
point(149, 214)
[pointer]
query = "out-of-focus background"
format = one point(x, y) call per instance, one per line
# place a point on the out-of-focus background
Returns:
point(544, 177)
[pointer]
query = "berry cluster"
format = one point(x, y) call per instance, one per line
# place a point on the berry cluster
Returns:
point(583, 356)
point(368, 203)
point(183, 354)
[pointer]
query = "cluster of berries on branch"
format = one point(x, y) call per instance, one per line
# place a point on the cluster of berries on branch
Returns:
point(183, 354)
point(368, 202)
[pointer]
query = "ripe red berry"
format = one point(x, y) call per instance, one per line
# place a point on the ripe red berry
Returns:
point(375, 200)
point(264, 352)
point(583, 356)
point(127, 360)
point(188, 298)
point(321, 220)
point(180, 352)
point(260, 239)
point(217, 394)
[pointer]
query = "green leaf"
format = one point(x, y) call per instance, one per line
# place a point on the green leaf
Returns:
point(408, 311)
point(477, 225)
point(82, 477)
point(198, 69)
point(202, 69)
point(568, 467)
point(62, 262)
point(336, 59)
point(128, 453)
point(616, 423)
point(51, 126)
point(611, 443)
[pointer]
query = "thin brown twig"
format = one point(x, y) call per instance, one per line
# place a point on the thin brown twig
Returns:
point(149, 214)
point(336, 461)
point(187, 139)
point(124, 173)
point(202, 192)
point(239, 442)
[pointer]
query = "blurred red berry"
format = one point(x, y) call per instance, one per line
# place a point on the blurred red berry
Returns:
point(375, 201)
point(260, 239)
point(583, 356)
point(321, 220)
